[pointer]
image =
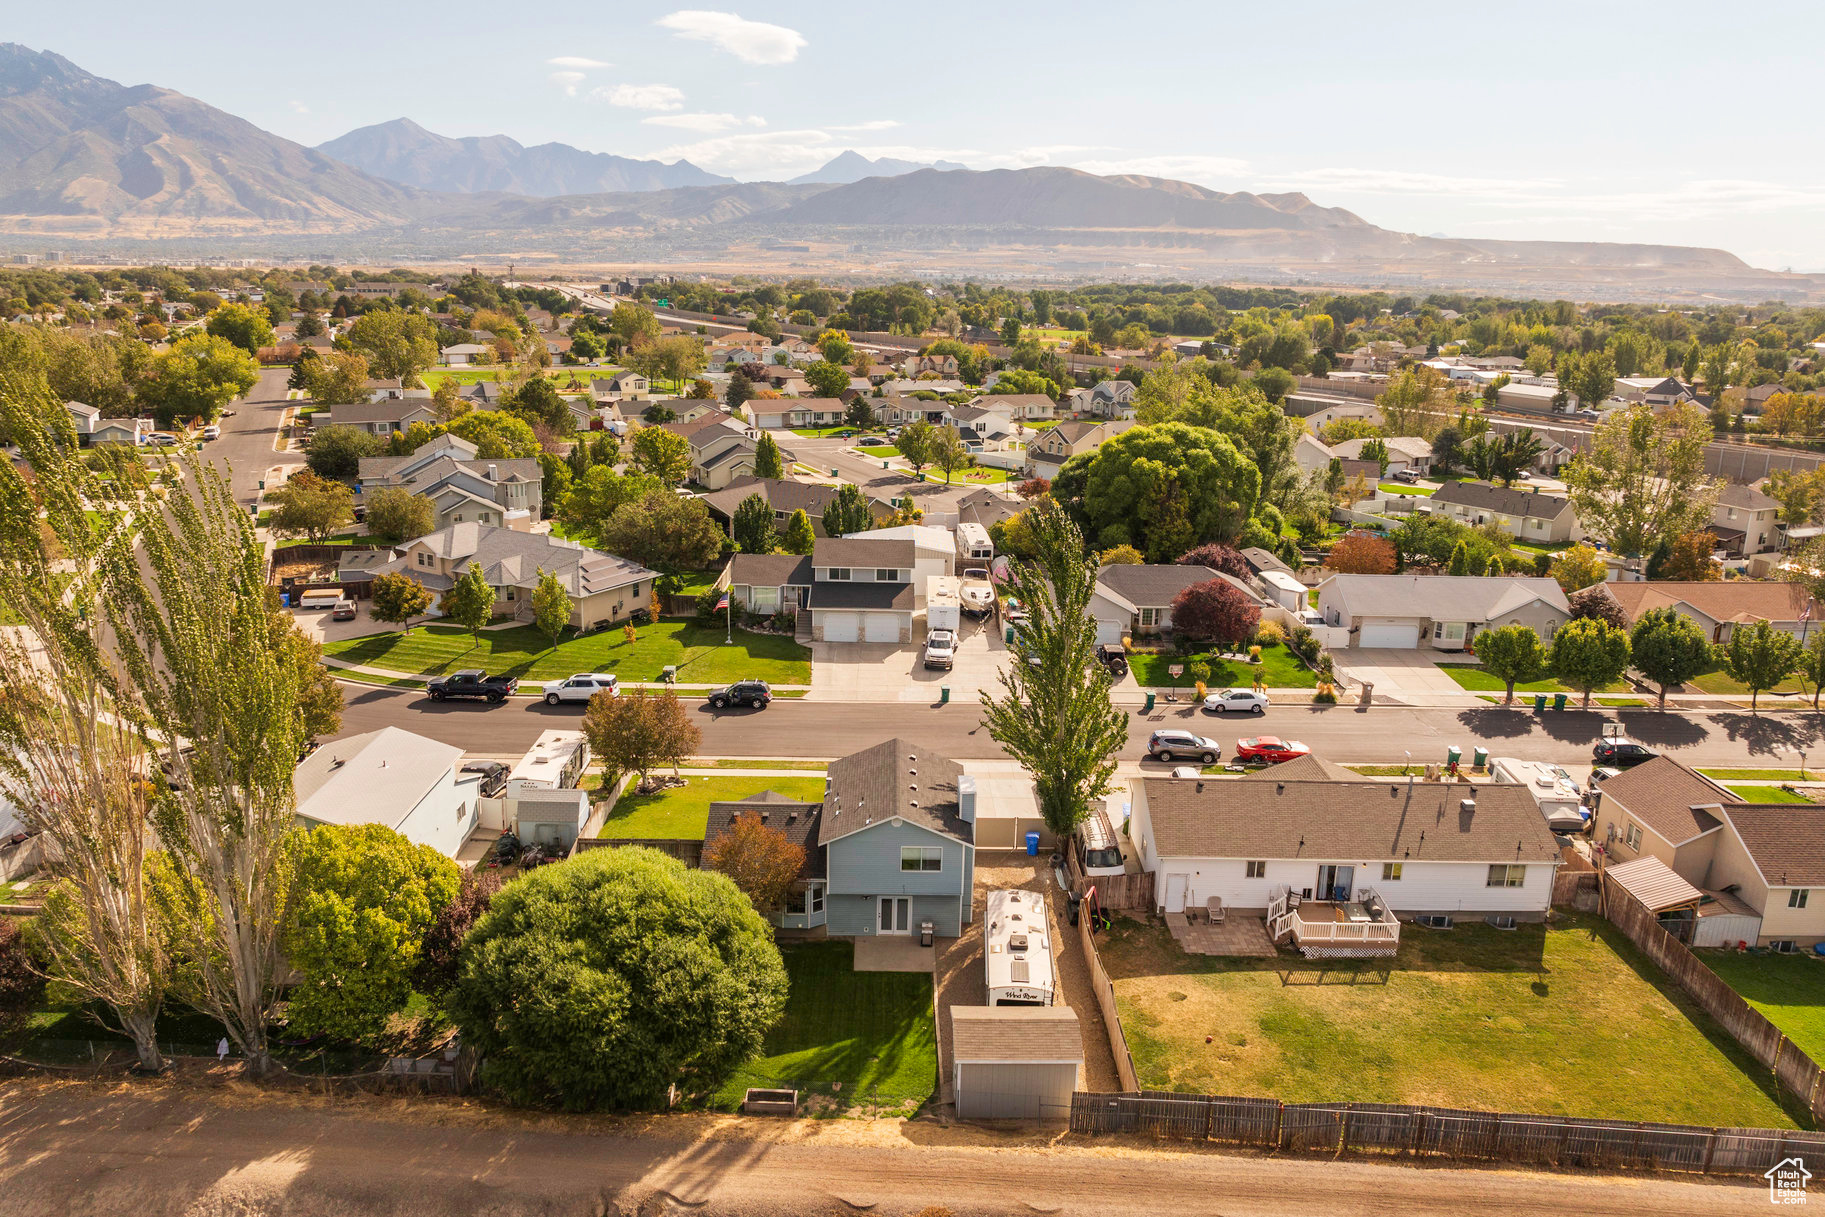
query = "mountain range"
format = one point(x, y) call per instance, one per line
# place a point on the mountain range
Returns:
point(154, 172)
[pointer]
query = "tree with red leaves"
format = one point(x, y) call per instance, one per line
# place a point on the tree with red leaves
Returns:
point(1215, 610)
point(1362, 553)
point(1218, 557)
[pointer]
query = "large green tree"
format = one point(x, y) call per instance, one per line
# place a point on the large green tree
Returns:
point(496, 435)
point(197, 378)
point(336, 379)
point(396, 514)
point(595, 497)
point(311, 506)
point(246, 327)
point(664, 532)
point(664, 454)
point(1642, 480)
point(799, 537)
point(1055, 716)
point(362, 898)
point(1513, 654)
point(1760, 657)
point(1160, 479)
point(336, 452)
point(752, 525)
point(769, 462)
point(1258, 428)
point(948, 451)
point(1668, 648)
point(397, 598)
point(641, 972)
point(470, 601)
point(1588, 653)
point(640, 732)
point(398, 345)
point(847, 512)
point(550, 606)
point(829, 379)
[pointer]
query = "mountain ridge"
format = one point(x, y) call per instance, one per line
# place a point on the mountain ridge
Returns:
point(851, 166)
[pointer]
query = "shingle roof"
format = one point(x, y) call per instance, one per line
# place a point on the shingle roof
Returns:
point(375, 778)
point(1664, 795)
point(1308, 768)
point(1727, 600)
point(510, 558)
point(1260, 560)
point(1504, 499)
point(798, 821)
point(1151, 586)
point(864, 551)
point(1342, 821)
point(1746, 498)
point(769, 570)
point(895, 778)
point(1786, 840)
point(1444, 597)
point(897, 597)
point(780, 495)
point(1016, 1033)
point(386, 410)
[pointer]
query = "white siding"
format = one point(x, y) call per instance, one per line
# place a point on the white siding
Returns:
point(1424, 887)
point(445, 817)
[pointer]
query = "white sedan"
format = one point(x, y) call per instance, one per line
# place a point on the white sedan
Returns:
point(581, 687)
point(1237, 700)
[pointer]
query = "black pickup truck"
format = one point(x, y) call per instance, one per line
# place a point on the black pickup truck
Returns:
point(472, 683)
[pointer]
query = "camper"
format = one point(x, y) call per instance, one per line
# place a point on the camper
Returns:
point(943, 603)
point(1558, 796)
point(1099, 850)
point(973, 544)
point(1017, 949)
point(321, 600)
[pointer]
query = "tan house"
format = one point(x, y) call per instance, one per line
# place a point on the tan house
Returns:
point(603, 588)
point(1049, 450)
point(463, 488)
point(1524, 514)
point(1745, 521)
point(1720, 607)
point(1018, 407)
point(1761, 865)
point(622, 386)
point(793, 413)
point(1442, 612)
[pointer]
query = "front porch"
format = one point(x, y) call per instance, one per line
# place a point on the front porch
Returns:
point(1334, 929)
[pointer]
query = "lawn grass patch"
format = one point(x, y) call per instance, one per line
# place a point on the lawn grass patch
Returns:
point(1759, 775)
point(847, 1037)
point(1405, 488)
point(823, 432)
point(747, 763)
point(1477, 679)
point(1563, 1020)
point(879, 453)
point(684, 811)
point(699, 653)
point(975, 475)
point(1387, 771)
point(1716, 680)
point(1789, 990)
point(1767, 794)
point(1278, 667)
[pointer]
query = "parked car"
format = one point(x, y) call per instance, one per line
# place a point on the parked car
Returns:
point(1166, 745)
point(1114, 656)
point(754, 693)
point(1271, 749)
point(1237, 700)
point(941, 649)
point(345, 610)
point(161, 439)
point(493, 775)
point(581, 687)
point(1621, 753)
point(1404, 475)
point(471, 684)
point(1601, 775)
point(212, 432)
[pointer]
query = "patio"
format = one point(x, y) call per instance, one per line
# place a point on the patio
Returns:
point(1236, 934)
point(893, 953)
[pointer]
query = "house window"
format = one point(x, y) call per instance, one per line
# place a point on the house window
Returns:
point(921, 857)
point(1390, 872)
point(886, 575)
point(1150, 617)
point(1796, 899)
point(510, 594)
point(814, 898)
point(837, 573)
point(1257, 870)
point(1631, 836)
point(1452, 631)
point(1507, 875)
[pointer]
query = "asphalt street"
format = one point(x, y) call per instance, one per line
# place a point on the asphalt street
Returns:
point(1339, 733)
point(246, 443)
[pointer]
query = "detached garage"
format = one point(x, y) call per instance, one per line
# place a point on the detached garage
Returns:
point(1015, 1062)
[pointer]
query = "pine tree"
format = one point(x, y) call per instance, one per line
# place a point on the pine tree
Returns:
point(800, 538)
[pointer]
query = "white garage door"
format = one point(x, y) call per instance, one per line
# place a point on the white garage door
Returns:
point(841, 627)
point(1405, 637)
point(1109, 632)
point(881, 627)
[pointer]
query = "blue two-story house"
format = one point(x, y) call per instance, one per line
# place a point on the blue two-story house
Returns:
point(891, 848)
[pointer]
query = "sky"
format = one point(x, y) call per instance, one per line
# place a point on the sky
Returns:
point(1605, 121)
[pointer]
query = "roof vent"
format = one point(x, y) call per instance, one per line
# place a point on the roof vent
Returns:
point(1467, 806)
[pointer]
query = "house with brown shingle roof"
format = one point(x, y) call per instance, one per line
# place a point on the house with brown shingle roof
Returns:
point(1720, 607)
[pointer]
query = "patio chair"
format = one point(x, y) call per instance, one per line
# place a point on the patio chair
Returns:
point(1213, 908)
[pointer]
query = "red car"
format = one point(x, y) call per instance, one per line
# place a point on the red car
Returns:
point(1271, 749)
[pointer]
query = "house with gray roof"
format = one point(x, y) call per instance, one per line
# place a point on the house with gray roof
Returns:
point(784, 496)
point(385, 414)
point(807, 907)
point(603, 589)
point(392, 777)
point(463, 488)
point(1136, 601)
point(1443, 612)
point(1526, 515)
point(1048, 450)
point(1746, 521)
point(862, 589)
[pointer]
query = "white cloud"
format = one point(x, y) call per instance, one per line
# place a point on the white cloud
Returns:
point(298, 107)
point(878, 124)
point(568, 81)
point(749, 41)
point(705, 124)
point(576, 61)
point(640, 97)
point(771, 156)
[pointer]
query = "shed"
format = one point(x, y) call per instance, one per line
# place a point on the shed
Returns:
point(1015, 1062)
point(1655, 884)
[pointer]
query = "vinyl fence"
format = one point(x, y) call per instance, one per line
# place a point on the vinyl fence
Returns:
point(1440, 1132)
point(1746, 1025)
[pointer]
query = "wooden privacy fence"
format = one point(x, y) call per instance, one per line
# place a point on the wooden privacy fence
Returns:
point(688, 850)
point(1575, 888)
point(1746, 1025)
point(1105, 1001)
point(1128, 892)
point(1440, 1132)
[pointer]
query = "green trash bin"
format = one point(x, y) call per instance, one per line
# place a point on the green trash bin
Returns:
point(1539, 703)
point(1148, 708)
point(1558, 701)
point(1480, 758)
point(944, 695)
point(1010, 636)
point(1453, 755)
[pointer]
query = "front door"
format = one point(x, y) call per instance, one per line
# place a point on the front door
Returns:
point(1334, 882)
point(896, 915)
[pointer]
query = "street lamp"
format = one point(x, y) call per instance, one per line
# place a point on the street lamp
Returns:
point(1407, 768)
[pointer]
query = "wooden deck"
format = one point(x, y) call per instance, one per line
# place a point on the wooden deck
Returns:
point(1322, 929)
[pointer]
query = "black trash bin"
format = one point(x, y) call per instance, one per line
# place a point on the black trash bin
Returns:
point(1072, 900)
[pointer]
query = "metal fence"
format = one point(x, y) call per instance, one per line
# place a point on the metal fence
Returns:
point(1440, 1132)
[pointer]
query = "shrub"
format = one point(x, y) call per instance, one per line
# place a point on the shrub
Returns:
point(1199, 671)
point(1325, 696)
point(1270, 634)
point(1254, 654)
point(1305, 644)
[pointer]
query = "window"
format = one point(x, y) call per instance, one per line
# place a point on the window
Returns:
point(1149, 617)
point(814, 895)
point(837, 573)
point(1632, 836)
point(510, 593)
point(1452, 631)
point(1796, 899)
point(921, 857)
point(1507, 875)
point(1257, 870)
point(1390, 872)
point(886, 575)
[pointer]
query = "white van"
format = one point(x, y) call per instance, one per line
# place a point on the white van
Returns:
point(321, 600)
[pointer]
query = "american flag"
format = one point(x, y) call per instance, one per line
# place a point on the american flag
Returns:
point(723, 603)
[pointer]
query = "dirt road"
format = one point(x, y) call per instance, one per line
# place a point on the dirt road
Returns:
point(161, 1151)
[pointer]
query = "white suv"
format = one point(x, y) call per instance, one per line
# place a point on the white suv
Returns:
point(581, 687)
point(940, 649)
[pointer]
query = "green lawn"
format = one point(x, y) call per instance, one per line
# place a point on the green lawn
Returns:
point(1543, 547)
point(823, 432)
point(1278, 667)
point(1719, 681)
point(1474, 678)
point(848, 1038)
point(1767, 794)
point(1405, 488)
point(700, 654)
point(1039, 424)
point(683, 811)
point(749, 763)
point(884, 454)
point(978, 475)
point(1758, 775)
point(1570, 1020)
point(1789, 990)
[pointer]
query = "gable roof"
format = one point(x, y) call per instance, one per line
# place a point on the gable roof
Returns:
point(865, 551)
point(781, 495)
point(1746, 498)
point(1152, 585)
point(799, 822)
point(1308, 768)
point(983, 506)
point(1012, 1034)
point(514, 559)
point(1503, 499)
point(1666, 797)
point(1785, 840)
point(1358, 821)
point(894, 779)
point(1260, 560)
point(374, 778)
point(1727, 600)
point(1017, 400)
point(769, 570)
point(1444, 597)
point(386, 410)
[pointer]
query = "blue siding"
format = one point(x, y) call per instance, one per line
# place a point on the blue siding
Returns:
point(859, 916)
point(866, 865)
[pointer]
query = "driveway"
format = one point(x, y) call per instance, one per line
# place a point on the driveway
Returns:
point(876, 671)
point(1401, 673)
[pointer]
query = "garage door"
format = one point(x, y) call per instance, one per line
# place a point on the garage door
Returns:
point(881, 627)
point(1405, 637)
point(841, 627)
point(1109, 632)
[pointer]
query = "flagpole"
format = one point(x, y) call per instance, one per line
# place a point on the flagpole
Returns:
point(728, 619)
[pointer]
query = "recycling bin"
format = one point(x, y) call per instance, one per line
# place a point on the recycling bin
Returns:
point(1032, 845)
point(1539, 703)
point(1480, 758)
point(944, 695)
point(1148, 708)
point(1558, 701)
point(1453, 755)
point(1010, 636)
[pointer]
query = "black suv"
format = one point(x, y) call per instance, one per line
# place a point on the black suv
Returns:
point(1620, 753)
point(742, 693)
